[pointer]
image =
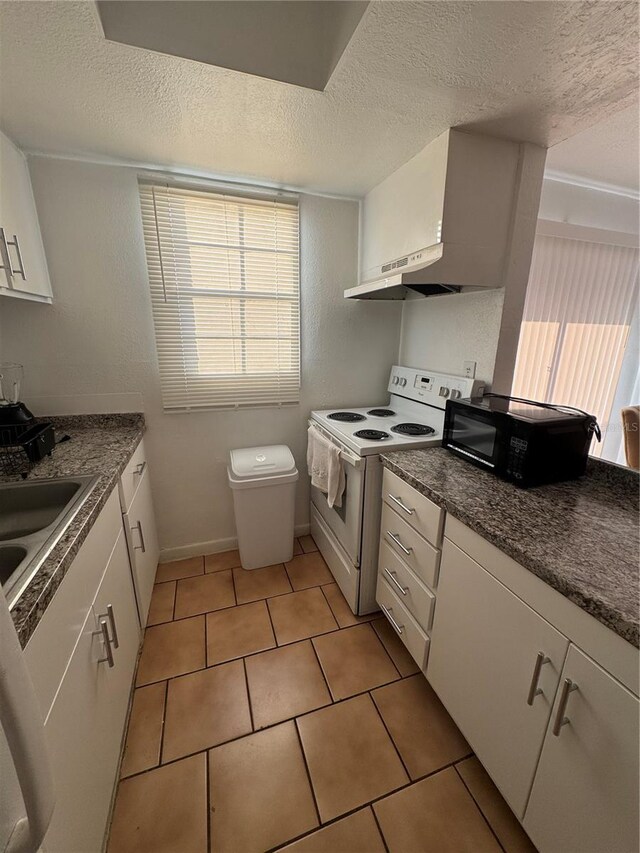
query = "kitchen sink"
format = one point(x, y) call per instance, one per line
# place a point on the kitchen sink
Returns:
point(33, 516)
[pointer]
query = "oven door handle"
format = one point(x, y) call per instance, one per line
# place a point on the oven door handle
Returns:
point(345, 455)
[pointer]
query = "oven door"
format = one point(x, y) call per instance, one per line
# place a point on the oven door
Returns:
point(345, 522)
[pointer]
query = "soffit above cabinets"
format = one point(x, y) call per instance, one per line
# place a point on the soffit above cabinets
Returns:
point(294, 41)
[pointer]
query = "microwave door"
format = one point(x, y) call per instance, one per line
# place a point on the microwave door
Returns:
point(27, 780)
point(474, 436)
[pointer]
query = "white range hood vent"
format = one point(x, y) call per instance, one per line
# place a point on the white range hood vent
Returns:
point(458, 199)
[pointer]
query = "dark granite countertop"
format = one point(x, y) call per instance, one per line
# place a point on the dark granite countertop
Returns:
point(99, 444)
point(581, 537)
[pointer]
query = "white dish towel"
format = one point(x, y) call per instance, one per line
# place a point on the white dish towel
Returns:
point(325, 467)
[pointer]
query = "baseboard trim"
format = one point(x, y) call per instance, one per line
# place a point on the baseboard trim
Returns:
point(214, 546)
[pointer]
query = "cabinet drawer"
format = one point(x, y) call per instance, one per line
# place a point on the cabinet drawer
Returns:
point(421, 557)
point(131, 477)
point(421, 513)
point(403, 623)
point(412, 592)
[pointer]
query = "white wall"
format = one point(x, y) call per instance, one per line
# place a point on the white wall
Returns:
point(595, 208)
point(97, 337)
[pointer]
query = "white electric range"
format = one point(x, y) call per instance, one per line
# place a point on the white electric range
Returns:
point(413, 418)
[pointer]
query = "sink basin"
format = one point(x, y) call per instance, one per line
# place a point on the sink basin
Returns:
point(33, 516)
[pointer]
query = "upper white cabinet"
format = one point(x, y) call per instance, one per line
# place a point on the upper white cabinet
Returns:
point(585, 795)
point(495, 664)
point(23, 265)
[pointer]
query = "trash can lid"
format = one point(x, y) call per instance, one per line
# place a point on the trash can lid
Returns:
point(252, 463)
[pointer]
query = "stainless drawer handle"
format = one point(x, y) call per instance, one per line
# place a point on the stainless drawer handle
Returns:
point(141, 546)
point(396, 539)
point(534, 690)
point(20, 270)
point(388, 611)
point(560, 721)
point(114, 631)
point(394, 580)
point(400, 504)
point(104, 633)
point(140, 468)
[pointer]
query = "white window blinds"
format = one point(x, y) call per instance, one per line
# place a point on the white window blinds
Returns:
point(224, 279)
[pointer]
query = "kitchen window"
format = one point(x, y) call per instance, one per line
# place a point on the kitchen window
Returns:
point(225, 291)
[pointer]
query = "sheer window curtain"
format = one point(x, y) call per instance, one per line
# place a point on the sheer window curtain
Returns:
point(579, 312)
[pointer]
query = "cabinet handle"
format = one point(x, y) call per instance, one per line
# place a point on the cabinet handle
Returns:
point(141, 546)
point(534, 690)
point(396, 539)
point(140, 468)
point(104, 633)
point(4, 257)
point(20, 270)
point(388, 611)
point(392, 577)
point(400, 504)
point(114, 631)
point(560, 721)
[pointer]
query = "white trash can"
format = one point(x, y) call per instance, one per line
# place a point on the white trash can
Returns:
point(263, 480)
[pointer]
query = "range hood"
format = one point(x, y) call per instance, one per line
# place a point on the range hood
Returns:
point(444, 221)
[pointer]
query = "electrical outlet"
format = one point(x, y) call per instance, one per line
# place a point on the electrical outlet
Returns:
point(470, 369)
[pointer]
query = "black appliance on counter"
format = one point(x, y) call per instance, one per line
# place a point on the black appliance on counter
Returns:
point(23, 440)
point(523, 441)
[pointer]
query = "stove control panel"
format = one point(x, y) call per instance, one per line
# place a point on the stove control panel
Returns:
point(433, 388)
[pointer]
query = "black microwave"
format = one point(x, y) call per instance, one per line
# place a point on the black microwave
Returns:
point(526, 443)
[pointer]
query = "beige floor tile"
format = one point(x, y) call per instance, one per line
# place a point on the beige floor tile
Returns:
point(308, 544)
point(220, 562)
point(398, 653)
point(357, 833)
point(490, 802)
point(297, 547)
point(350, 756)
point(180, 569)
point(238, 631)
point(425, 735)
point(307, 570)
point(203, 594)
point(285, 682)
point(162, 601)
point(163, 811)
point(300, 615)
point(354, 660)
point(204, 709)
point(144, 735)
point(254, 584)
point(436, 815)
point(172, 649)
point(259, 792)
point(341, 610)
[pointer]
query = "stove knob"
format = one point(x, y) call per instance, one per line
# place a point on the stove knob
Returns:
point(395, 380)
point(455, 394)
point(403, 382)
point(444, 391)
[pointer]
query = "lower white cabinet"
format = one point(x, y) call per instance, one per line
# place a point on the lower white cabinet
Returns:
point(585, 794)
point(85, 725)
point(495, 664)
point(142, 541)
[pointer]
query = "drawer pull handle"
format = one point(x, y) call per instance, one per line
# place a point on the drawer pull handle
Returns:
point(4, 257)
point(16, 245)
point(400, 504)
point(139, 469)
point(141, 546)
point(104, 633)
point(112, 621)
point(396, 539)
point(392, 577)
point(534, 690)
point(388, 611)
point(560, 721)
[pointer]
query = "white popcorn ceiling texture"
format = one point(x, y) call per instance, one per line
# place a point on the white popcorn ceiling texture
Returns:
point(537, 71)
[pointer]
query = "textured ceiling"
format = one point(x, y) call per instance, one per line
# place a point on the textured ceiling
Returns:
point(540, 71)
point(608, 152)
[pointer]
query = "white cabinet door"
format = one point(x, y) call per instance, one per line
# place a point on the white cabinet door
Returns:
point(85, 726)
point(585, 794)
point(24, 270)
point(485, 644)
point(142, 539)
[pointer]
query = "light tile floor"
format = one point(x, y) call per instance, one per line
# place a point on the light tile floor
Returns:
point(267, 716)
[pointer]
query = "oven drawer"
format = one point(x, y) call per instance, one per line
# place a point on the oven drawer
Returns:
point(421, 557)
point(412, 592)
point(421, 513)
point(403, 623)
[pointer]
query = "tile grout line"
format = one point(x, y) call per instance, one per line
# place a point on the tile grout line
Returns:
point(246, 683)
point(477, 804)
point(375, 817)
point(308, 772)
point(208, 797)
point(324, 675)
point(389, 735)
